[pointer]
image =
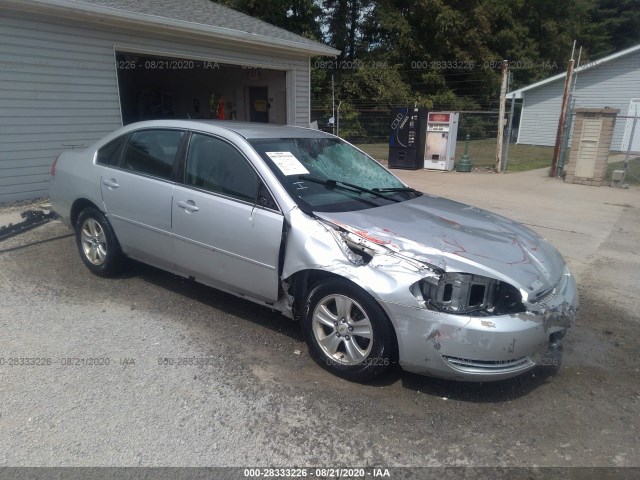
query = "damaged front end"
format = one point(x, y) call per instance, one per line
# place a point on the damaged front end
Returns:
point(488, 335)
point(448, 323)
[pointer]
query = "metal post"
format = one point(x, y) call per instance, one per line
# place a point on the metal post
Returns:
point(563, 112)
point(333, 106)
point(633, 132)
point(575, 75)
point(569, 115)
point(567, 131)
point(338, 119)
point(506, 148)
point(503, 99)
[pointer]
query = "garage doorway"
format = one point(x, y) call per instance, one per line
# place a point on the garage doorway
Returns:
point(156, 87)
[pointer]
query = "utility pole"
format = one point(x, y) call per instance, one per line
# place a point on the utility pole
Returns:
point(553, 172)
point(333, 107)
point(571, 102)
point(509, 127)
point(503, 99)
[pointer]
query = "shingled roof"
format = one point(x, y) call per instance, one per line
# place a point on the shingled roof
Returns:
point(197, 16)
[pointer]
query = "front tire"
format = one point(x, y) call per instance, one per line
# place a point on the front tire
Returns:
point(347, 332)
point(97, 243)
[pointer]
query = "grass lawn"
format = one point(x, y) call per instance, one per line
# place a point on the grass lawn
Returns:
point(483, 154)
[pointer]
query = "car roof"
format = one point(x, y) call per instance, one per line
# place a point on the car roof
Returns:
point(247, 130)
point(265, 130)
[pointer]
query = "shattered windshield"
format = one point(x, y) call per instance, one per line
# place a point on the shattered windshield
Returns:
point(329, 175)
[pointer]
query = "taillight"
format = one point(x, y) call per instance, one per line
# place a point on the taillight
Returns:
point(53, 167)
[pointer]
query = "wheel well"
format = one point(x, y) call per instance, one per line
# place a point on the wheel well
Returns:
point(301, 282)
point(77, 207)
point(304, 281)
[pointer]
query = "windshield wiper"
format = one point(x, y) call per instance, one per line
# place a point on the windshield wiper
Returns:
point(397, 189)
point(331, 183)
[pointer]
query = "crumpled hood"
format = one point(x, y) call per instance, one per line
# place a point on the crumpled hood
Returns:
point(457, 237)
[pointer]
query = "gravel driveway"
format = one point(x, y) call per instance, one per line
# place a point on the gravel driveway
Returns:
point(150, 369)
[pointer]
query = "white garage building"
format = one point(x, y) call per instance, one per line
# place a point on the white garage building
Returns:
point(612, 81)
point(74, 70)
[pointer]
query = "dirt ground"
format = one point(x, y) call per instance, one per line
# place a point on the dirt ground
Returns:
point(260, 400)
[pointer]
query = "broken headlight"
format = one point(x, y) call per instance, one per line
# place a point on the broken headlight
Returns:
point(467, 294)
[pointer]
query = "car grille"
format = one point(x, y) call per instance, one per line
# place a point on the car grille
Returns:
point(485, 366)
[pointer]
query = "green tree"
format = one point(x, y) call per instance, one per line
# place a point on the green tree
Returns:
point(343, 20)
point(614, 26)
point(447, 53)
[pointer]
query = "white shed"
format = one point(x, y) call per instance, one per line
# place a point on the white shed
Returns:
point(73, 70)
point(612, 81)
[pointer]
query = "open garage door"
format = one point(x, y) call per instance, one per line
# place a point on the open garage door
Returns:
point(154, 87)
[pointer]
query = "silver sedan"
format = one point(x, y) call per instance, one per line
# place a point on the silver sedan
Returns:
point(377, 273)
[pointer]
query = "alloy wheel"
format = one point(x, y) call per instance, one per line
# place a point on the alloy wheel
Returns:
point(94, 241)
point(342, 329)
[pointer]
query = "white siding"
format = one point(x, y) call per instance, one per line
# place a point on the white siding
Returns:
point(302, 89)
point(58, 86)
point(539, 120)
point(611, 84)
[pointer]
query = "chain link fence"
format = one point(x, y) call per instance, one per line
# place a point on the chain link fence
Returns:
point(369, 128)
point(625, 153)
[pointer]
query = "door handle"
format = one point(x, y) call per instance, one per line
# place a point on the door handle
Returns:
point(189, 206)
point(111, 183)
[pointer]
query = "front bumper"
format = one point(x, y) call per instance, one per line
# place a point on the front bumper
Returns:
point(481, 349)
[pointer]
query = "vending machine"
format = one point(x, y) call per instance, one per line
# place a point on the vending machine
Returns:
point(407, 141)
point(442, 134)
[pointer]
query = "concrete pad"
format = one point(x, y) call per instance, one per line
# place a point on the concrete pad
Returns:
point(7, 218)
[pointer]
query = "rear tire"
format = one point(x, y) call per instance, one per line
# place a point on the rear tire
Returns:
point(97, 243)
point(347, 332)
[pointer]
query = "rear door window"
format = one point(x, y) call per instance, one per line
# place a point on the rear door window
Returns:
point(152, 152)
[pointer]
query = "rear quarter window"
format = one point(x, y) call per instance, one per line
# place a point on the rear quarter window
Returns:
point(110, 153)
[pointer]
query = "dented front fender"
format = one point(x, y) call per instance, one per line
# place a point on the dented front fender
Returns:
point(312, 244)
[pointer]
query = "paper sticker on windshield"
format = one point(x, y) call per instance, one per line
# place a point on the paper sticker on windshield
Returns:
point(287, 163)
